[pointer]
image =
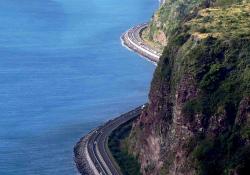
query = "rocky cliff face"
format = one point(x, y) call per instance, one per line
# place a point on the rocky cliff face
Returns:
point(198, 117)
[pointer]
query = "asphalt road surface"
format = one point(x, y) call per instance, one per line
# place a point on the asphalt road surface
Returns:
point(92, 155)
point(132, 39)
point(97, 144)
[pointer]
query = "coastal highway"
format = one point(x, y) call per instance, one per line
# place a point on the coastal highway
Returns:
point(92, 155)
point(132, 40)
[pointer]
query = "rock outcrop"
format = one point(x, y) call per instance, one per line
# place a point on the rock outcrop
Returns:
point(198, 117)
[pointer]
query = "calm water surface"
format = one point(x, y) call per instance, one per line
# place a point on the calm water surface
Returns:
point(62, 73)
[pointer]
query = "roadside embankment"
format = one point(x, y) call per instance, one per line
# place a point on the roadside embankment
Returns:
point(117, 143)
point(83, 161)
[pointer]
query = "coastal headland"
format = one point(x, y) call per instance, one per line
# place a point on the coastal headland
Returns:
point(197, 117)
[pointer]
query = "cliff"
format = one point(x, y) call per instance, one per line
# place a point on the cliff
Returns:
point(198, 117)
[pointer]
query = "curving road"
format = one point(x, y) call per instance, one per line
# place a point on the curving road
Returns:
point(92, 155)
point(96, 153)
point(132, 40)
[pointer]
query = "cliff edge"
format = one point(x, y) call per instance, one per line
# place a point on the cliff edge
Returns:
point(198, 117)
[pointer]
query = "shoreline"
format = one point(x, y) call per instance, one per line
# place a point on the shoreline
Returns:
point(89, 154)
point(139, 54)
point(132, 44)
point(82, 159)
point(91, 158)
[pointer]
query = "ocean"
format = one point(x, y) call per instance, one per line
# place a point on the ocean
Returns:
point(63, 72)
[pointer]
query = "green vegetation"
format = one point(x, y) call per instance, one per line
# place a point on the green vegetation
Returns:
point(191, 108)
point(172, 14)
point(214, 48)
point(223, 155)
point(118, 146)
point(227, 22)
point(221, 67)
point(222, 73)
point(228, 2)
point(148, 40)
point(209, 43)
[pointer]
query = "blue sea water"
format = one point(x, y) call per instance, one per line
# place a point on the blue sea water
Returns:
point(63, 72)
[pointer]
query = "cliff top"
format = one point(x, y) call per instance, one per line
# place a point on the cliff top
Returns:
point(233, 21)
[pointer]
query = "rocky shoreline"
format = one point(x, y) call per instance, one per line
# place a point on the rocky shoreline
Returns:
point(81, 156)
